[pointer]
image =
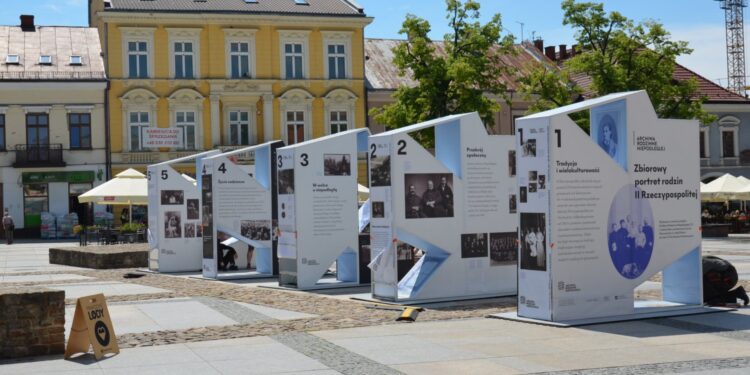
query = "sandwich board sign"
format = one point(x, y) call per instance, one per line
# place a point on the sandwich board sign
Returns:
point(443, 226)
point(92, 327)
point(318, 211)
point(600, 214)
point(174, 220)
point(239, 201)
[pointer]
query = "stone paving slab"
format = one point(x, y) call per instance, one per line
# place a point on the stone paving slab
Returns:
point(106, 287)
point(277, 314)
point(41, 278)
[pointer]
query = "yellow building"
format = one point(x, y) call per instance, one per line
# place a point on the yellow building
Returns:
point(228, 73)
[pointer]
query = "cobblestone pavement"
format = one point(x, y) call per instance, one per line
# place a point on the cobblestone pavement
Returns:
point(707, 365)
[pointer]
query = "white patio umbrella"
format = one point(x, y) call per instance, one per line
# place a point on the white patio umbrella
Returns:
point(363, 193)
point(127, 188)
point(724, 188)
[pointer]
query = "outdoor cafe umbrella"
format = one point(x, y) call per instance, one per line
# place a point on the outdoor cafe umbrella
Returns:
point(127, 188)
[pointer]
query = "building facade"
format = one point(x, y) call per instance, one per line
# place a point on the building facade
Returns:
point(52, 120)
point(226, 74)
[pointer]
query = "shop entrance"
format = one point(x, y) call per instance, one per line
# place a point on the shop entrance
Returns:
point(84, 210)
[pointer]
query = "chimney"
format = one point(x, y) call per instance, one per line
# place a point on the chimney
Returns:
point(27, 22)
point(573, 50)
point(550, 53)
point(539, 44)
point(563, 52)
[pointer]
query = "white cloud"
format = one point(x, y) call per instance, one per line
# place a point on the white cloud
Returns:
point(54, 7)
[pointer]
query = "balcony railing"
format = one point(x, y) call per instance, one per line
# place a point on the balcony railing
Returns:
point(32, 155)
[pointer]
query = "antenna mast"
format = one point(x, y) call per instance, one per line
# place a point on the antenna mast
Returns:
point(735, 26)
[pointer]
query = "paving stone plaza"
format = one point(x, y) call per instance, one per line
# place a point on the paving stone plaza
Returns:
point(184, 324)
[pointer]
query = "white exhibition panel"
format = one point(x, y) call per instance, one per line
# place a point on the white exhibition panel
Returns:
point(457, 207)
point(600, 214)
point(238, 200)
point(318, 210)
point(174, 217)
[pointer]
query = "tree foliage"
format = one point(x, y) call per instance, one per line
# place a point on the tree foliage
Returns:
point(619, 55)
point(452, 79)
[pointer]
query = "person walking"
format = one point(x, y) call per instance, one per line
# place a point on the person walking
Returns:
point(9, 227)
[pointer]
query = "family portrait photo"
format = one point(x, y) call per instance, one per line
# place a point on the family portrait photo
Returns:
point(172, 197)
point(512, 163)
point(258, 230)
point(474, 245)
point(286, 181)
point(512, 205)
point(173, 224)
point(190, 230)
point(428, 195)
point(503, 248)
point(630, 234)
point(529, 148)
point(192, 209)
point(378, 210)
point(533, 242)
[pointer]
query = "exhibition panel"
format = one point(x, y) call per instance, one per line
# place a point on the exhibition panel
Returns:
point(318, 211)
point(601, 214)
point(239, 213)
point(443, 227)
point(174, 216)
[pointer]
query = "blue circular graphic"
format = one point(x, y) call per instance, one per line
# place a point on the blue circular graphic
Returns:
point(630, 232)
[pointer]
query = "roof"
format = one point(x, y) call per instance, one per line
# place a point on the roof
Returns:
point(382, 74)
point(347, 8)
point(60, 43)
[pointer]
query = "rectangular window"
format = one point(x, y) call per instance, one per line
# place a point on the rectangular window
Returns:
point(37, 129)
point(35, 201)
point(2, 131)
point(138, 122)
point(186, 122)
point(339, 121)
point(702, 144)
point(239, 128)
point(137, 60)
point(239, 56)
point(727, 139)
point(183, 60)
point(336, 61)
point(295, 127)
point(80, 130)
point(293, 60)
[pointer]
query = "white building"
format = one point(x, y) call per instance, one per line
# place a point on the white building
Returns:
point(52, 120)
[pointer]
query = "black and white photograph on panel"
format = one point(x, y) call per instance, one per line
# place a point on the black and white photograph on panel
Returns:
point(503, 249)
point(378, 210)
point(286, 181)
point(528, 148)
point(257, 230)
point(380, 170)
point(192, 209)
point(512, 163)
point(512, 205)
point(337, 164)
point(173, 224)
point(523, 194)
point(532, 176)
point(189, 230)
point(172, 197)
point(207, 227)
point(428, 195)
point(474, 245)
point(532, 187)
point(198, 230)
point(542, 182)
point(533, 242)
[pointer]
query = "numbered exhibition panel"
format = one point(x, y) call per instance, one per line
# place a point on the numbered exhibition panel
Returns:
point(443, 226)
point(174, 219)
point(238, 193)
point(601, 213)
point(318, 211)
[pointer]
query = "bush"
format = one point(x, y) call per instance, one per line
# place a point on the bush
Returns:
point(131, 227)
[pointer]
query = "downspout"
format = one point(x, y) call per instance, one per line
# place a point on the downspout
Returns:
point(364, 80)
point(107, 142)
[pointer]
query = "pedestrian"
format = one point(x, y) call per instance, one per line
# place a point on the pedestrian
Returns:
point(9, 227)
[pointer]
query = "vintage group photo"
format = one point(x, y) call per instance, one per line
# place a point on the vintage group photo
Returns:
point(428, 195)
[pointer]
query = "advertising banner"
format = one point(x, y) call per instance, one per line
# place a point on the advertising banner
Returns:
point(162, 137)
point(443, 226)
point(239, 203)
point(600, 214)
point(174, 220)
point(318, 211)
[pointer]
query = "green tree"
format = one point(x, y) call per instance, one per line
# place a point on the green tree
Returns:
point(450, 80)
point(620, 55)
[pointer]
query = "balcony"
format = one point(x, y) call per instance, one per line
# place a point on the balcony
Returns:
point(39, 156)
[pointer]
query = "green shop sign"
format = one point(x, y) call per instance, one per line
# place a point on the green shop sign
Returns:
point(46, 177)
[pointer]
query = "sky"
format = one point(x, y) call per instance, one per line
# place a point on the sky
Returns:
point(699, 22)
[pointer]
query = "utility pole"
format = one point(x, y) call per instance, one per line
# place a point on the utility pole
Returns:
point(521, 23)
